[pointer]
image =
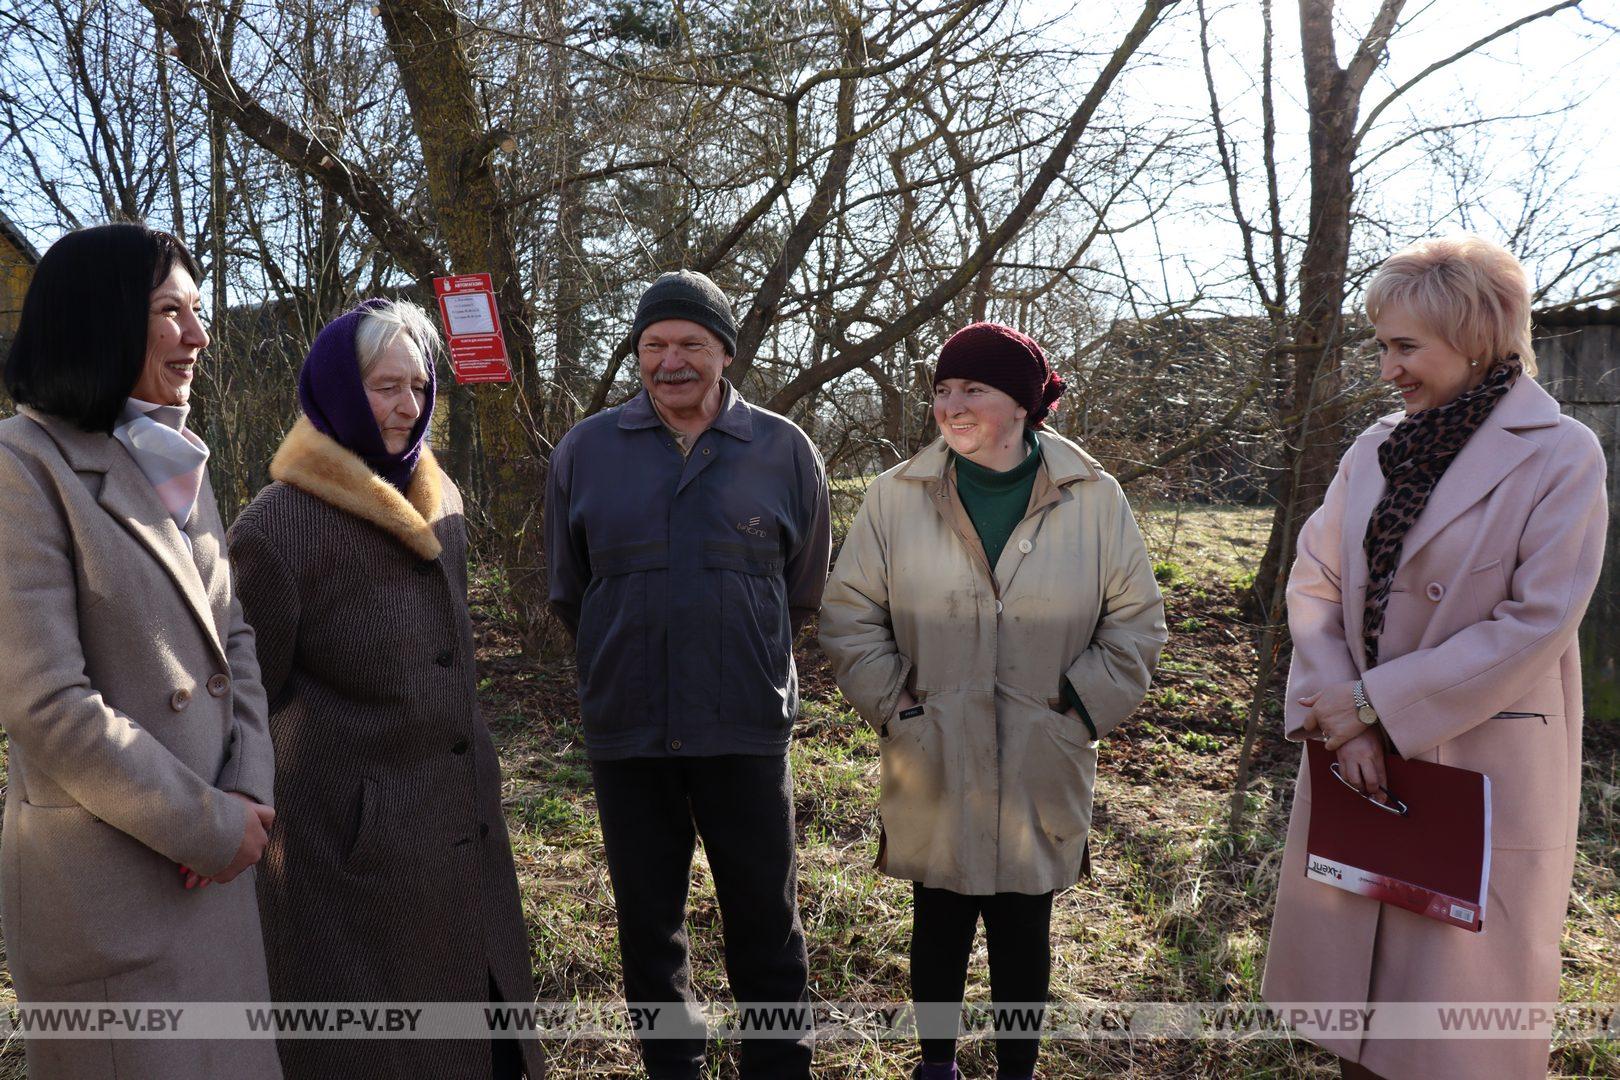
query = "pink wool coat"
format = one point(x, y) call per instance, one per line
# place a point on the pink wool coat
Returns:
point(1493, 580)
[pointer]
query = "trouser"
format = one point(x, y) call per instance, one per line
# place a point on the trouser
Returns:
point(652, 812)
point(1017, 931)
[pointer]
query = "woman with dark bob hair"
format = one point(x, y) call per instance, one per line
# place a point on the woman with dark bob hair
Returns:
point(389, 875)
point(1433, 609)
point(140, 775)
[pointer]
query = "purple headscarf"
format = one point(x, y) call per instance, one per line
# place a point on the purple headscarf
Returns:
point(334, 398)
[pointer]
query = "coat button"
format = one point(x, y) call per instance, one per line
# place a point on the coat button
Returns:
point(218, 685)
point(460, 747)
point(1026, 546)
point(674, 744)
point(705, 451)
point(1435, 591)
point(425, 567)
point(180, 699)
point(446, 658)
point(483, 829)
point(998, 607)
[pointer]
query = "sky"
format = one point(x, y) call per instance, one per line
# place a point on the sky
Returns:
point(1564, 65)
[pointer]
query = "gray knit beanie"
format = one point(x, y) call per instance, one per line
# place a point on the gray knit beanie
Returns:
point(686, 294)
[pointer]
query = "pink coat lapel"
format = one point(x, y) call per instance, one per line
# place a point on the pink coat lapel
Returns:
point(1488, 458)
point(1366, 487)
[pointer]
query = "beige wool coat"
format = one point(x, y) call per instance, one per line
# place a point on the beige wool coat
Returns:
point(1481, 621)
point(990, 789)
point(389, 875)
point(133, 706)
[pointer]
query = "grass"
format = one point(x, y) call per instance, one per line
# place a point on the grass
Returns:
point(1177, 909)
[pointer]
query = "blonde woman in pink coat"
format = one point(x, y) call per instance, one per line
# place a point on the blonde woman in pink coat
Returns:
point(1433, 608)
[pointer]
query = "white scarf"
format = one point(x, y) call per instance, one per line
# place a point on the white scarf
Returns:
point(171, 457)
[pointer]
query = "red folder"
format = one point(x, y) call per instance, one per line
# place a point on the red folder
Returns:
point(1435, 859)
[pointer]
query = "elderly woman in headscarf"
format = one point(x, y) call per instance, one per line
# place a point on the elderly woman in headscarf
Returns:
point(389, 874)
point(992, 615)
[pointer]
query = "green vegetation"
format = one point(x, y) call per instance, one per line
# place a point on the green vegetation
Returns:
point(1177, 909)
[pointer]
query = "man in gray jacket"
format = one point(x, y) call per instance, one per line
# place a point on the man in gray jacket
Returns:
point(688, 538)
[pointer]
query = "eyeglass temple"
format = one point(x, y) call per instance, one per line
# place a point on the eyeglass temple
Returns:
point(1398, 808)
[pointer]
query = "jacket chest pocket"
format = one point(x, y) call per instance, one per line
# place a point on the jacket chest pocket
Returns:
point(1488, 587)
point(754, 634)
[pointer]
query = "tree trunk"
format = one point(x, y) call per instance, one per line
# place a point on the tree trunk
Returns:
point(425, 37)
point(568, 265)
point(1314, 436)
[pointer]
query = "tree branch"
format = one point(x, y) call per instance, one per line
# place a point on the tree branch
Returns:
point(305, 152)
point(1472, 47)
point(935, 299)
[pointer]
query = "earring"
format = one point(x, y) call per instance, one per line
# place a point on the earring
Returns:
point(1473, 363)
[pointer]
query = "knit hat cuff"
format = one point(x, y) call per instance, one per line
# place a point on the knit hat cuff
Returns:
point(691, 310)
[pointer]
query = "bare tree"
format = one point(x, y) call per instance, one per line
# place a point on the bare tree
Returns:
point(1308, 330)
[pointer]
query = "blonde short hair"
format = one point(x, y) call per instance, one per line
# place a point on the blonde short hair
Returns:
point(1469, 291)
point(384, 322)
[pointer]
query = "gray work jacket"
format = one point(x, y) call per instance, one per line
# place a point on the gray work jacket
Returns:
point(683, 579)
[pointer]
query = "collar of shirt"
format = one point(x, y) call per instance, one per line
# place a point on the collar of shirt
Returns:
point(734, 417)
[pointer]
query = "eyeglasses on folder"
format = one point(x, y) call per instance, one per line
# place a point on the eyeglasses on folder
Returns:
point(1398, 808)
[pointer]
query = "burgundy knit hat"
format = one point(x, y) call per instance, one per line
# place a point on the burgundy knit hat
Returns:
point(1001, 357)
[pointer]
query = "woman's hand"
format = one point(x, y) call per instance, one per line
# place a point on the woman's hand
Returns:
point(1361, 763)
point(1333, 713)
point(255, 836)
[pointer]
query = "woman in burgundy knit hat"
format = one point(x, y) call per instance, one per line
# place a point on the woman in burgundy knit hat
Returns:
point(993, 614)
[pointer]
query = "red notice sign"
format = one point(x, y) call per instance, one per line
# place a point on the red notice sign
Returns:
point(473, 325)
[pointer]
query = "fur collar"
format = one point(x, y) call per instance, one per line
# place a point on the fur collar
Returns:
point(319, 465)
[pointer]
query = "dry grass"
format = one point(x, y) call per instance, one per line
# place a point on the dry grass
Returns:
point(1177, 909)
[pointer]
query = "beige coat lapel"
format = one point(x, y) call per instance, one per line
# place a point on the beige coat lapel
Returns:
point(1062, 463)
point(205, 529)
point(127, 495)
point(930, 468)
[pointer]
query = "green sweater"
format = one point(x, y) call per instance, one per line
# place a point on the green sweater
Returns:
point(996, 502)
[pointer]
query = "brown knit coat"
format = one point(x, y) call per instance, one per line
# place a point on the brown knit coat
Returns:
point(389, 875)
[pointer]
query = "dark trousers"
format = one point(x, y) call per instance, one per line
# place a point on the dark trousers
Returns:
point(652, 812)
point(1017, 931)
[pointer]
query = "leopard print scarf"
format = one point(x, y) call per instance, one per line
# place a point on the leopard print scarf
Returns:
point(1412, 460)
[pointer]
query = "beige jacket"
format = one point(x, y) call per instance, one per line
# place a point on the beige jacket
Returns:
point(1479, 669)
point(132, 702)
point(989, 790)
